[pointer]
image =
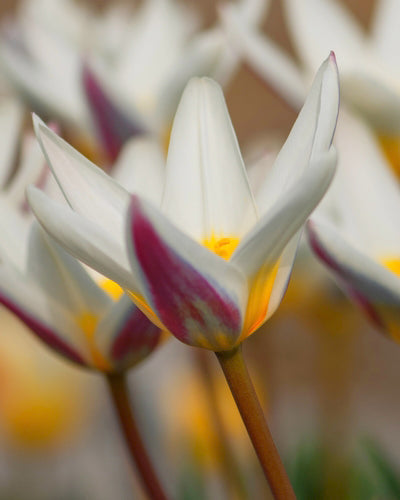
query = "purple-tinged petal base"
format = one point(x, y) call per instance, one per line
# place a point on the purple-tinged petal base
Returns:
point(189, 304)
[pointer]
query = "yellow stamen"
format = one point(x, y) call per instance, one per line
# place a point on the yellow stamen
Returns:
point(391, 149)
point(88, 324)
point(223, 247)
point(111, 288)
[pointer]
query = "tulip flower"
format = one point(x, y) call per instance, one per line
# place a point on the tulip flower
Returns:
point(116, 75)
point(209, 266)
point(369, 78)
point(357, 234)
point(57, 299)
point(224, 261)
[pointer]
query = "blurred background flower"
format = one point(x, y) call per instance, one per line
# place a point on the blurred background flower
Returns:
point(329, 379)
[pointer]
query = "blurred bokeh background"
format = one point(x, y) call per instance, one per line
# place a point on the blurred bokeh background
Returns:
point(329, 383)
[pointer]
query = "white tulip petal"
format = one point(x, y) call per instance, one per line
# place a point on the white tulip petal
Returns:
point(14, 230)
point(310, 136)
point(152, 50)
point(265, 242)
point(49, 93)
point(264, 57)
point(82, 238)
point(376, 96)
point(140, 169)
point(89, 190)
point(62, 277)
point(266, 254)
point(198, 296)
point(44, 316)
point(203, 154)
point(385, 32)
point(11, 115)
point(354, 269)
point(318, 26)
point(367, 194)
point(205, 54)
point(32, 169)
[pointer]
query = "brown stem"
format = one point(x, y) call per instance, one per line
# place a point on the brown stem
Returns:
point(237, 376)
point(229, 463)
point(120, 398)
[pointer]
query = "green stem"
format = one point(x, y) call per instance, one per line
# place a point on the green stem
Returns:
point(237, 376)
point(120, 397)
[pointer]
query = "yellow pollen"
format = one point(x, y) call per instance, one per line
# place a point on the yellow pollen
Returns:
point(111, 288)
point(391, 149)
point(87, 322)
point(393, 264)
point(223, 247)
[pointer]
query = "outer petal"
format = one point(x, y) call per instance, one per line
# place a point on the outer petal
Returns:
point(375, 95)
point(258, 253)
point(318, 26)
point(370, 284)
point(113, 127)
point(10, 124)
point(14, 230)
point(42, 315)
point(58, 95)
point(62, 277)
point(152, 49)
point(140, 169)
point(196, 295)
point(32, 169)
point(386, 33)
point(125, 336)
point(88, 190)
point(264, 57)
point(365, 192)
point(203, 153)
point(310, 136)
point(82, 238)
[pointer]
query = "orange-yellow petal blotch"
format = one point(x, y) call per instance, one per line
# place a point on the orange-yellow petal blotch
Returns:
point(88, 324)
point(393, 264)
point(391, 148)
point(112, 289)
point(257, 305)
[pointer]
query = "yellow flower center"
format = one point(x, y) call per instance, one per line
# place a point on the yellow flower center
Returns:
point(391, 149)
point(393, 264)
point(111, 288)
point(223, 247)
point(87, 322)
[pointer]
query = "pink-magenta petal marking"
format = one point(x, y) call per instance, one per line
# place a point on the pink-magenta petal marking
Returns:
point(137, 332)
point(186, 302)
point(365, 305)
point(112, 125)
point(43, 332)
